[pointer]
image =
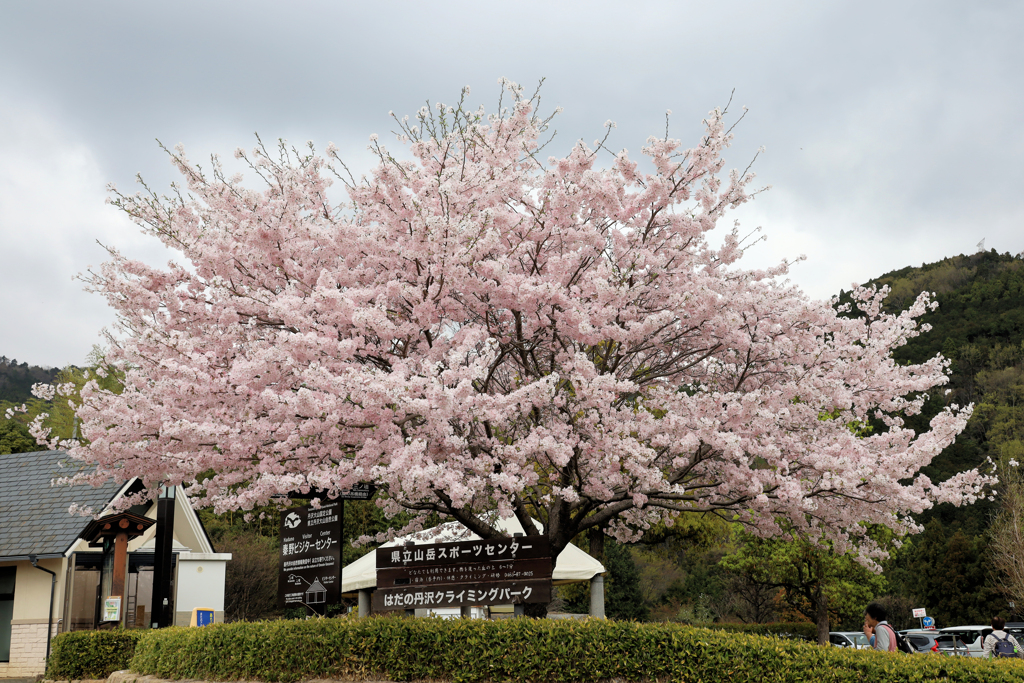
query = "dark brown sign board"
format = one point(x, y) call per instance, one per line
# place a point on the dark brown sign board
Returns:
point(310, 560)
point(464, 552)
point(457, 595)
point(481, 572)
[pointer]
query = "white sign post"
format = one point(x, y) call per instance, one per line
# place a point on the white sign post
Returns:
point(920, 613)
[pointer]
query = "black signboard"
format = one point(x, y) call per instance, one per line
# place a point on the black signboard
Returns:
point(498, 571)
point(464, 552)
point(481, 572)
point(310, 565)
point(456, 595)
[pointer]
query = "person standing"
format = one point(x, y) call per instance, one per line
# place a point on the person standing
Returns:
point(876, 625)
point(999, 643)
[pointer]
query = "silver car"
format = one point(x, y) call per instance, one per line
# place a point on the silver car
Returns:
point(973, 636)
point(930, 640)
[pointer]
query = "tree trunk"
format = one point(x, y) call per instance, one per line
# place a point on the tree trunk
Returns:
point(821, 613)
point(596, 536)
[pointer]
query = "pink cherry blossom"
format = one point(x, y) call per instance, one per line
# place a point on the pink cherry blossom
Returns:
point(482, 327)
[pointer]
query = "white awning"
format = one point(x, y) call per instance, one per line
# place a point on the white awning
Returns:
point(572, 564)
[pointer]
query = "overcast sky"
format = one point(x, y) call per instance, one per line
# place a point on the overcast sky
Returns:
point(892, 129)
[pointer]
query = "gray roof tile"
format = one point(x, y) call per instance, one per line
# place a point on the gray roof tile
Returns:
point(34, 518)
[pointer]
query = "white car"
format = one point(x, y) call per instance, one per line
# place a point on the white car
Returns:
point(974, 636)
point(854, 639)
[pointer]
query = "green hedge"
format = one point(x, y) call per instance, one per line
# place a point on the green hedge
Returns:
point(783, 629)
point(91, 654)
point(528, 651)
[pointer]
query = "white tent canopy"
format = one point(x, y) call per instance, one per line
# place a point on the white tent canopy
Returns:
point(572, 564)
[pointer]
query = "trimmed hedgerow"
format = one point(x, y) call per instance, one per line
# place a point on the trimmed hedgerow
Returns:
point(91, 654)
point(527, 651)
point(783, 629)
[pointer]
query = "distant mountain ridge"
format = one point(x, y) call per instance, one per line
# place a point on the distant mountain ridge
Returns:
point(16, 379)
point(981, 302)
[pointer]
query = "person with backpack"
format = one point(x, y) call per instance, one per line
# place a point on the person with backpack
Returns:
point(875, 624)
point(999, 643)
point(885, 637)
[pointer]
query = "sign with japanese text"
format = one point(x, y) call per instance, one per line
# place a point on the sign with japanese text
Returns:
point(464, 552)
point(418, 575)
point(920, 612)
point(310, 562)
point(202, 616)
point(456, 595)
point(359, 492)
point(112, 609)
point(499, 571)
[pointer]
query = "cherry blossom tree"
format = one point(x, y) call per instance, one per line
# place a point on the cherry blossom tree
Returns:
point(482, 328)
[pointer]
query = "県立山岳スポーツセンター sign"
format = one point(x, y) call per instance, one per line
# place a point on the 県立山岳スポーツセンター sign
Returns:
point(464, 552)
point(483, 572)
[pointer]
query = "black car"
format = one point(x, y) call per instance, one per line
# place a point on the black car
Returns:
point(1015, 629)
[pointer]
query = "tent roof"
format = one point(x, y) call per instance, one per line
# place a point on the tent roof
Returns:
point(572, 564)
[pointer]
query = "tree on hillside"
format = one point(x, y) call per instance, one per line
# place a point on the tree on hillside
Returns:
point(250, 583)
point(946, 571)
point(1008, 528)
point(481, 327)
point(15, 438)
point(823, 586)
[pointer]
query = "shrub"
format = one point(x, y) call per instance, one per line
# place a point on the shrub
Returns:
point(802, 630)
point(91, 654)
point(526, 651)
point(250, 584)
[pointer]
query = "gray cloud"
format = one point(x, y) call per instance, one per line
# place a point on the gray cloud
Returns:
point(891, 128)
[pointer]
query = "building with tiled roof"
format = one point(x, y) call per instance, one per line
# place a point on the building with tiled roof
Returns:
point(42, 550)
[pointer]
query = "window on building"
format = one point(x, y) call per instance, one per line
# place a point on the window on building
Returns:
point(86, 594)
point(83, 597)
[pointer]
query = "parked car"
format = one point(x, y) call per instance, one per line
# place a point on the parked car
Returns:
point(854, 639)
point(930, 640)
point(1015, 629)
point(973, 636)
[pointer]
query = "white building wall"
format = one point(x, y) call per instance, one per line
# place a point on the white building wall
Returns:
point(32, 589)
point(200, 583)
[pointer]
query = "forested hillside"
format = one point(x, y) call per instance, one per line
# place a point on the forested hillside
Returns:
point(16, 379)
point(979, 327)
